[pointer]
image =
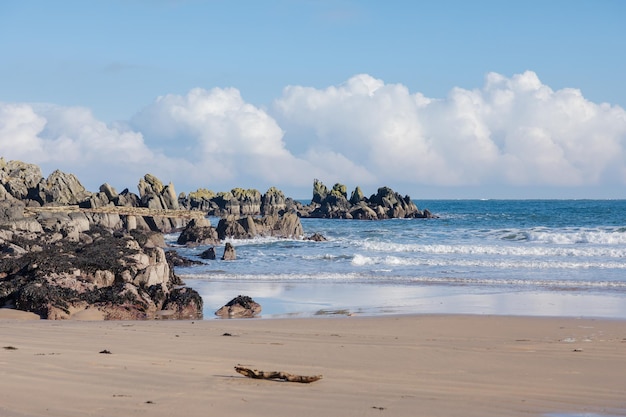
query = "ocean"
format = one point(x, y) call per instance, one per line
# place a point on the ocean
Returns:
point(507, 257)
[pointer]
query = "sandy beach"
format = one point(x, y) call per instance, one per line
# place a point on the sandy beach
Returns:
point(424, 365)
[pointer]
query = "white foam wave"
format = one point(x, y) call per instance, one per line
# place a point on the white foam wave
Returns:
point(571, 237)
point(500, 250)
point(426, 280)
point(361, 260)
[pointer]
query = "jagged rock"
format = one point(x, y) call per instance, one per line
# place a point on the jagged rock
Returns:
point(249, 201)
point(339, 190)
point(208, 254)
point(226, 204)
point(198, 232)
point(286, 226)
point(149, 185)
point(319, 192)
point(198, 200)
point(229, 252)
point(61, 189)
point(127, 199)
point(357, 196)
point(109, 192)
point(96, 200)
point(316, 237)
point(154, 195)
point(241, 306)
point(20, 179)
point(236, 202)
point(273, 202)
point(384, 204)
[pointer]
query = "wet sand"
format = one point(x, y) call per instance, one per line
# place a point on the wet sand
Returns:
point(421, 365)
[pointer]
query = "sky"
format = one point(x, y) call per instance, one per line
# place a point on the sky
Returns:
point(436, 99)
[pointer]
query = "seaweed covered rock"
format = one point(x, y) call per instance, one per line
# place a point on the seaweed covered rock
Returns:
point(241, 306)
point(112, 273)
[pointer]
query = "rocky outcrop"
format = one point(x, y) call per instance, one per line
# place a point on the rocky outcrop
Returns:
point(19, 179)
point(61, 189)
point(69, 266)
point(24, 182)
point(198, 232)
point(273, 202)
point(385, 204)
point(229, 252)
point(209, 254)
point(286, 226)
point(241, 306)
point(237, 202)
point(317, 237)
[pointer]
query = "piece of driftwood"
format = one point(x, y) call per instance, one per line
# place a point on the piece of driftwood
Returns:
point(253, 373)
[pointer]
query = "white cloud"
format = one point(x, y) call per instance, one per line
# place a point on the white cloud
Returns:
point(514, 131)
point(511, 132)
point(19, 127)
point(226, 138)
point(71, 139)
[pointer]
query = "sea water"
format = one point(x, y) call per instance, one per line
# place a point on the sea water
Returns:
point(519, 257)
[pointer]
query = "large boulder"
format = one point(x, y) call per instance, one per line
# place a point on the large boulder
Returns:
point(20, 179)
point(61, 188)
point(119, 275)
point(241, 306)
point(198, 232)
point(229, 252)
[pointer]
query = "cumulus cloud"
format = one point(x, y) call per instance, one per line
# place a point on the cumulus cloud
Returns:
point(513, 131)
point(226, 138)
point(71, 139)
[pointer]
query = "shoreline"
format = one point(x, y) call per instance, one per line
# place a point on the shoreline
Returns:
point(405, 365)
point(311, 299)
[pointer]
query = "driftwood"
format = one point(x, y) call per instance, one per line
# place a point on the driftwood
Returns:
point(253, 373)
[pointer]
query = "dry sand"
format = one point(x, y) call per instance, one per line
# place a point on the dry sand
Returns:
point(383, 366)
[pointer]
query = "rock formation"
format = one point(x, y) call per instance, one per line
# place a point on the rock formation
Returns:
point(209, 254)
point(241, 306)
point(287, 226)
point(68, 266)
point(236, 202)
point(24, 182)
point(229, 252)
point(385, 204)
point(198, 232)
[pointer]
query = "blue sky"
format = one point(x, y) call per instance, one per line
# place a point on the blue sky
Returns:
point(450, 99)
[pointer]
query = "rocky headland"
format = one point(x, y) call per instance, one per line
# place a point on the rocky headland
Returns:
point(66, 252)
point(326, 203)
